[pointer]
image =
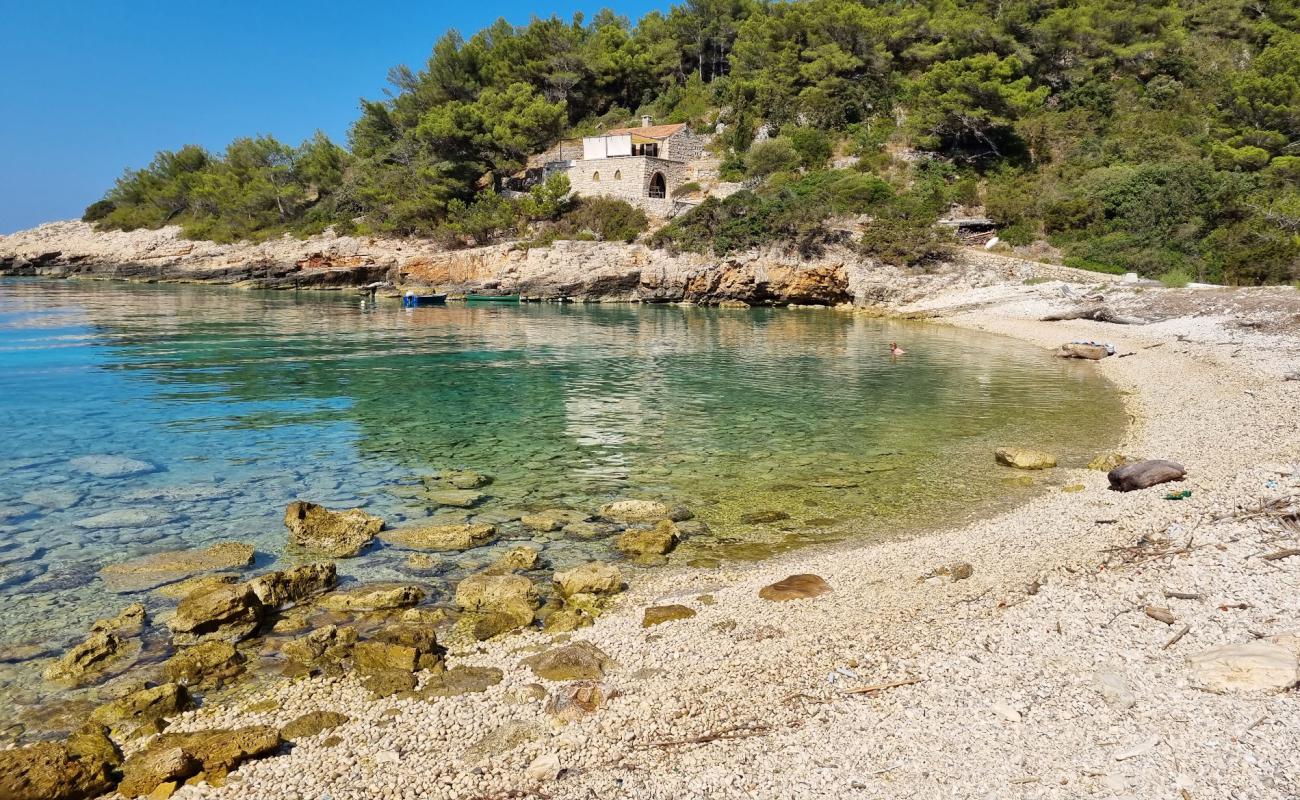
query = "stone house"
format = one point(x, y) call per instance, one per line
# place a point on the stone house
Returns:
point(642, 165)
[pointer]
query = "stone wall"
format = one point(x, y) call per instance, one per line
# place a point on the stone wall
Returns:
point(628, 178)
point(684, 146)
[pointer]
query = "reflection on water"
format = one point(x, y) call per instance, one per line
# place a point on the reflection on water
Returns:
point(245, 401)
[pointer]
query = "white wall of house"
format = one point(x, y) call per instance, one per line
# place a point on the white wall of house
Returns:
point(594, 147)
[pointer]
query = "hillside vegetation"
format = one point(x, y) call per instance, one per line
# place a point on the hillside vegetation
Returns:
point(1147, 136)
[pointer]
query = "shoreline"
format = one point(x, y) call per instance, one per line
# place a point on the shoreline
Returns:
point(747, 698)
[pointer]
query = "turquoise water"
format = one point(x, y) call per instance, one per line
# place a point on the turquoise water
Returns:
point(244, 401)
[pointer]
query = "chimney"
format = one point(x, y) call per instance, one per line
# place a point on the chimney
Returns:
point(646, 120)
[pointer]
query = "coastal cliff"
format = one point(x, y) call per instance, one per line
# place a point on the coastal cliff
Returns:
point(577, 270)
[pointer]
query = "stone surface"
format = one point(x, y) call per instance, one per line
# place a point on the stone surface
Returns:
point(1254, 666)
point(312, 723)
point(376, 597)
point(1108, 461)
point(1090, 352)
point(456, 498)
point(595, 577)
point(465, 479)
point(642, 511)
point(456, 536)
point(333, 534)
point(88, 659)
point(129, 622)
point(1023, 458)
point(328, 643)
point(763, 517)
point(182, 755)
point(290, 586)
point(510, 600)
point(571, 662)
point(147, 572)
point(656, 615)
point(517, 559)
point(199, 583)
point(52, 499)
point(388, 683)
point(208, 665)
point(51, 771)
point(461, 680)
point(143, 704)
point(110, 466)
point(657, 541)
point(148, 769)
point(795, 587)
point(552, 519)
point(226, 613)
point(572, 702)
point(1144, 474)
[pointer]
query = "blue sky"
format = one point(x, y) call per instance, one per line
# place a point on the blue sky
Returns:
point(90, 87)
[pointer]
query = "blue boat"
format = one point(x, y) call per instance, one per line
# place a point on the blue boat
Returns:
point(412, 300)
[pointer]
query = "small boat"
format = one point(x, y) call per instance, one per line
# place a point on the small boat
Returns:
point(492, 298)
point(411, 299)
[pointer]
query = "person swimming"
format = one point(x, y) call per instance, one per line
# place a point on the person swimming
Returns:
point(895, 350)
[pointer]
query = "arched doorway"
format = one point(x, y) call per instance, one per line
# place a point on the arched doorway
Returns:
point(658, 186)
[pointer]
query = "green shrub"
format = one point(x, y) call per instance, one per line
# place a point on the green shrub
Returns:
point(773, 155)
point(98, 210)
point(1093, 266)
point(1176, 278)
point(907, 242)
point(812, 145)
point(687, 188)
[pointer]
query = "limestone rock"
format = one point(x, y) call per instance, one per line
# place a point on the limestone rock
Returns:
point(660, 614)
point(595, 577)
point(1091, 352)
point(123, 518)
point(312, 723)
point(577, 611)
point(214, 752)
point(552, 519)
point(1108, 461)
point(576, 661)
point(590, 530)
point(204, 666)
point(461, 680)
point(147, 572)
point(659, 540)
point(147, 769)
point(457, 498)
point(91, 657)
point(1144, 474)
point(199, 583)
point(226, 613)
point(795, 587)
point(576, 700)
point(1022, 458)
point(109, 466)
point(130, 622)
point(372, 657)
point(956, 571)
point(376, 597)
point(52, 771)
point(328, 643)
point(141, 705)
point(516, 559)
point(1113, 688)
point(1254, 666)
point(642, 511)
point(466, 479)
point(52, 499)
point(283, 587)
point(510, 600)
point(456, 536)
point(545, 767)
point(333, 534)
point(388, 683)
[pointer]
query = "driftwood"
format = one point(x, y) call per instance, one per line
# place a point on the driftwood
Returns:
point(1159, 614)
point(880, 687)
point(1096, 314)
point(1181, 633)
point(1144, 474)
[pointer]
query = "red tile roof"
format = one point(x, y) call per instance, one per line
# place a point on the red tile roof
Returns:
point(651, 132)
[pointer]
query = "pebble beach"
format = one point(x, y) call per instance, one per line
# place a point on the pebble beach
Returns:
point(1071, 654)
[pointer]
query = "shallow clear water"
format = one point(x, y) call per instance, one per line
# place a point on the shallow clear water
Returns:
point(245, 401)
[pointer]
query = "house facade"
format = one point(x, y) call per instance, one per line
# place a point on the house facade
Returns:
point(642, 166)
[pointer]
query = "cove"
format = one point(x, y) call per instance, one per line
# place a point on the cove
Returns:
point(777, 428)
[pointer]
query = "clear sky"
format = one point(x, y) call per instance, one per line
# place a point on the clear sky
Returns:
point(91, 87)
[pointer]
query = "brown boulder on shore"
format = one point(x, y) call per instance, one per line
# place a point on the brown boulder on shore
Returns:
point(81, 768)
point(795, 587)
point(1144, 474)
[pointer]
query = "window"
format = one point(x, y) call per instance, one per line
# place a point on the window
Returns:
point(658, 186)
point(595, 177)
point(618, 174)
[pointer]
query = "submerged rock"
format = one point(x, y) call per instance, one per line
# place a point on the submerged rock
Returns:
point(283, 587)
point(656, 615)
point(795, 587)
point(659, 540)
point(91, 657)
point(465, 479)
point(516, 559)
point(643, 511)
point(1144, 474)
point(334, 534)
point(1023, 458)
point(595, 577)
point(763, 517)
point(1108, 461)
point(142, 705)
point(457, 498)
point(130, 622)
point(123, 518)
point(148, 572)
point(52, 499)
point(576, 661)
point(378, 597)
point(552, 519)
point(225, 613)
point(108, 466)
point(455, 536)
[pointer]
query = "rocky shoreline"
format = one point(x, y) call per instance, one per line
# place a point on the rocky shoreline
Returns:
point(568, 270)
point(1090, 642)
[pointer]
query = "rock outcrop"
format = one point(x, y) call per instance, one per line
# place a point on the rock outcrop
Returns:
point(157, 569)
point(333, 534)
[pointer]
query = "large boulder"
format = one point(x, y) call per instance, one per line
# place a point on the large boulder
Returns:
point(376, 597)
point(208, 665)
point(79, 769)
point(213, 752)
point(595, 577)
point(157, 569)
point(333, 534)
point(642, 511)
point(327, 644)
point(446, 537)
point(795, 587)
point(1144, 474)
point(1024, 458)
point(656, 541)
point(576, 661)
point(226, 613)
point(284, 587)
point(497, 603)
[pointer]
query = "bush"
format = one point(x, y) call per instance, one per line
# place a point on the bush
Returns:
point(98, 210)
point(900, 241)
point(773, 155)
point(687, 188)
point(608, 219)
point(1176, 278)
point(812, 145)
